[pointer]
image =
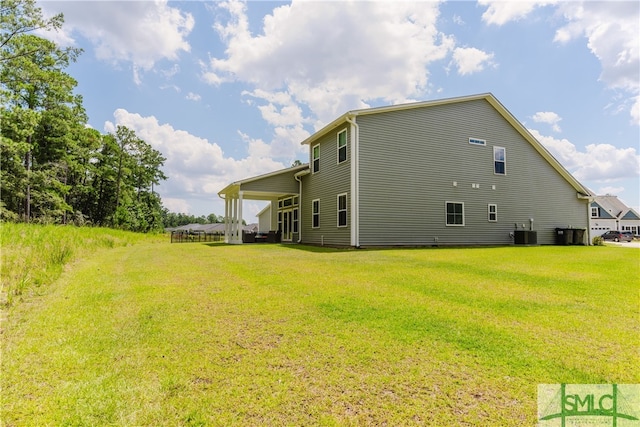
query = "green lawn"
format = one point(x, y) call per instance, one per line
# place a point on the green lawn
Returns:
point(196, 334)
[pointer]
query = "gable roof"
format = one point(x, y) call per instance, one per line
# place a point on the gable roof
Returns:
point(235, 186)
point(615, 207)
point(631, 214)
point(603, 213)
point(492, 100)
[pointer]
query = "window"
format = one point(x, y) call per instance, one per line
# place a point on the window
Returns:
point(595, 212)
point(342, 146)
point(492, 212)
point(476, 141)
point(295, 220)
point(315, 213)
point(316, 158)
point(455, 213)
point(499, 161)
point(342, 210)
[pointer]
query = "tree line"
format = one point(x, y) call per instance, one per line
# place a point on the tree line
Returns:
point(172, 219)
point(54, 167)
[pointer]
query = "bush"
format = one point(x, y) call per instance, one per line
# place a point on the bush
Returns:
point(597, 241)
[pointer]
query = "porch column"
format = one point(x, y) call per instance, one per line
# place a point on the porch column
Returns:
point(234, 221)
point(240, 227)
point(227, 219)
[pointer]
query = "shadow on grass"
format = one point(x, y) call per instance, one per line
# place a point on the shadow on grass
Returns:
point(337, 249)
point(296, 246)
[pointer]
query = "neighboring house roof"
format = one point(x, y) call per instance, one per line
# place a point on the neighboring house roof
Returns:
point(602, 211)
point(615, 207)
point(207, 228)
point(264, 210)
point(350, 115)
point(631, 214)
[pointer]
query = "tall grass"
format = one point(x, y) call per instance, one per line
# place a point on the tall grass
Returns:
point(34, 255)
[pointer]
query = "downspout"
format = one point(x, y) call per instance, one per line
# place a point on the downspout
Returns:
point(589, 200)
point(355, 180)
point(297, 177)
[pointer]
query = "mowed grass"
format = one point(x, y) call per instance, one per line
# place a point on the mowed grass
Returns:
point(251, 335)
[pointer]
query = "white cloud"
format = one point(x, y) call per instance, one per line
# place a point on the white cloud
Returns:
point(499, 12)
point(138, 32)
point(193, 97)
point(176, 205)
point(470, 60)
point(197, 169)
point(611, 30)
point(333, 56)
point(549, 118)
point(599, 163)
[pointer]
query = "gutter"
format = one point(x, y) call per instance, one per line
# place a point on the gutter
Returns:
point(355, 180)
point(589, 199)
point(297, 177)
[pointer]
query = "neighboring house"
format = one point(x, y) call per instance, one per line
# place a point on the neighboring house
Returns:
point(609, 213)
point(264, 219)
point(457, 171)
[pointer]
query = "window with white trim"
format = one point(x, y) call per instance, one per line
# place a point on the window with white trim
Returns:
point(499, 160)
point(342, 146)
point(492, 212)
point(595, 212)
point(342, 210)
point(454, 212)
point(316, 158)
point(315, 213)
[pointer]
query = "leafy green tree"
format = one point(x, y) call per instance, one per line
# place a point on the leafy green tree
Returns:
point(17, 127)
point(32, 79)
point(19, 17)
point(54, 168)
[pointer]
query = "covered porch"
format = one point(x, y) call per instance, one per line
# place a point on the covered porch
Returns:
point(278, 188)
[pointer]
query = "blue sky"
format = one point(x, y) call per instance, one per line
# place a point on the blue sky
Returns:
point(228, 90)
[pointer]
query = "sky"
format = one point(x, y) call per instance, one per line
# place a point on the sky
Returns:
point(226, 90)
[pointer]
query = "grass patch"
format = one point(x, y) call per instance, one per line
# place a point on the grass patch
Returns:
point(33, 255)
point(215, 334)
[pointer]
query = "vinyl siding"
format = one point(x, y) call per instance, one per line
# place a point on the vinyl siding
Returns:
point(410, 159)
point(331, 179)
point(280, 183)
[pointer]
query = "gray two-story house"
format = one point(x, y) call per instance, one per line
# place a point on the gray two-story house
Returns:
point(457, 171)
